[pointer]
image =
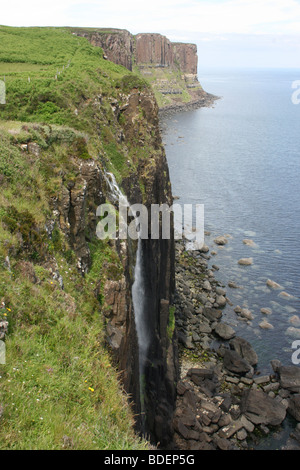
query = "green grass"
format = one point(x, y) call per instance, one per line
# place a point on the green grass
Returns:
point(58, 380)
point(58, 388)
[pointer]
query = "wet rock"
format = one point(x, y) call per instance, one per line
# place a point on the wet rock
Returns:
point(266, 311)
point(249, 242)
point(234, 363)
point(246, 313)
point(266, 325)
point(212, 314)
point(238, 309)
point(224, 331)
point(275, 364)
point(290, 378)
point(295, 321)
point(293, 332)
point(294, 406)
point(273, 284)
point(286, 295)
point(263, 379)
point(260, 408)
point(244, 349)
point(206, 285)
point(232, 285)
point(221, 240)
point(221, 301)
point(245, 261)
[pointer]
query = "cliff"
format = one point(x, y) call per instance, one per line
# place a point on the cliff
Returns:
point(170, 68)
point(66, 296)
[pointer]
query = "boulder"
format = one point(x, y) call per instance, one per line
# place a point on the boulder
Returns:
point(260, 408)
point(235, 363)
point(221, 301)
point(266, 311)
point(224, 331)
point(290, 378)
point(244, 349)
point(186, 340)
point(273, 284)
point(246, 313)
point(245, 261)
point(212, 314)
point(294, 406)
point(249, 242)
point(221, 240)
point(265, 325)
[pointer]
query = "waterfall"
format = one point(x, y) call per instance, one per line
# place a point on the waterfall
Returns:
point(138, 294)
point(115, 194)
point(138, 299)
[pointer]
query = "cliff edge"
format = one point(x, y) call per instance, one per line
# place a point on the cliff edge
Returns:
point(170, 67)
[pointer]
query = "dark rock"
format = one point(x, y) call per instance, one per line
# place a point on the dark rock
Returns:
point(212, 314)
point(201, 373)
point(222, 443)
point(224, 331)
point(226, 404)
point(290, 378)
point(182, 387)
point(190, 399)
point(181, 428)
point(244, 350)
point(275, 364)
point(294, 406)
point(260, 408)
point(234, 363)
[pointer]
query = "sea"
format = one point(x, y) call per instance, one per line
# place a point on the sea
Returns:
point(240, 158)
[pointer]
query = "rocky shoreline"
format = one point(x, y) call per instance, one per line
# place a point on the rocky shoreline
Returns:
point(206, 101)
point(223, 400)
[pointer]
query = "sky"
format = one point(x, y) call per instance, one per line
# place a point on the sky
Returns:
point(231, 33)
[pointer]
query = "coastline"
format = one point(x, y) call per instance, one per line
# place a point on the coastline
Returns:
point(204, 102)
point(223, 400)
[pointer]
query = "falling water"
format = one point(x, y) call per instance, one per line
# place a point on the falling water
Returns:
point(138, 299)
point(138, 293)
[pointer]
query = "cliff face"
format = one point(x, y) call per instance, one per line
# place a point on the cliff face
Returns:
point(158, 50)
point(73, 288)
point(170, 68)
point(117, 44)
point(139, 117)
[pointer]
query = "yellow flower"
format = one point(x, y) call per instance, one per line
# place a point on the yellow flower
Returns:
point(8, 309)
point(91, 389)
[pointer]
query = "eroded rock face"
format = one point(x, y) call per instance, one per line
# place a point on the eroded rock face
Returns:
point(154, 49)
point(121, 47)
point(74, 208)
point(186, 56)
point(74, 211)
point(117, 44)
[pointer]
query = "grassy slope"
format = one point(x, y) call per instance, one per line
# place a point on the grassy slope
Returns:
point(58, 388)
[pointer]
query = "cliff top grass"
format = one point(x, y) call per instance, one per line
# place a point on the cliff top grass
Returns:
point(58, 388)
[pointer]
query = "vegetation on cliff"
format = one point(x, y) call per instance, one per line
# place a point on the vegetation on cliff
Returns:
point(65, 107)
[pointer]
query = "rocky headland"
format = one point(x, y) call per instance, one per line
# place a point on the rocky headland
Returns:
point(170, 67)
